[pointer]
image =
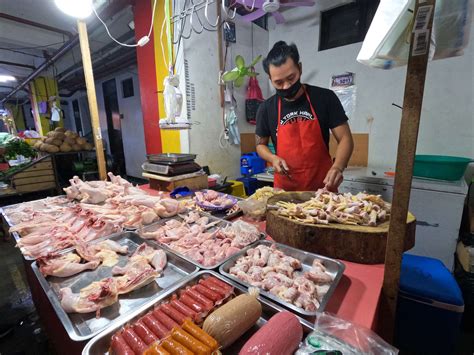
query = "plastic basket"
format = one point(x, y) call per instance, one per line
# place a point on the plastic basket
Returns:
point(440, 167)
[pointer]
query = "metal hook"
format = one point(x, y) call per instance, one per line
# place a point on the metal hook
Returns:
point(226, 13)
point(194, 12)
point(244, 3)
point(207, 18)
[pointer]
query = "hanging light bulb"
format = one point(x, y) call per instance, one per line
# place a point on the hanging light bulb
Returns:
point(75, 8)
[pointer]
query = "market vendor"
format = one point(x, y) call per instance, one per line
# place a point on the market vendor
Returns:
point(298, 120)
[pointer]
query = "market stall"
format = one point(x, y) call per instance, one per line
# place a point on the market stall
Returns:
point(81, 282)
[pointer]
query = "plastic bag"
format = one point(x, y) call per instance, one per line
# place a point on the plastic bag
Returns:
point(333, 333)
point(255, 209)
point(387, 42)
point(173, 98)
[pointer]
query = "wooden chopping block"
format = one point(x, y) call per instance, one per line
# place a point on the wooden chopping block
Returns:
point(360, 244)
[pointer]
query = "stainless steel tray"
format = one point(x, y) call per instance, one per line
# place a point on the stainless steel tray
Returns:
point(334, 267)
point(222, 223)
point(101, 343)
point(85, 326)
point(35, 204)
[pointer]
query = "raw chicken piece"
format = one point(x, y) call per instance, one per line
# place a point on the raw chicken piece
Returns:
point(114, 246)
point(97, 295)
point(136, 274)
point(64, 265)
point(157, 258)
point(318, 273)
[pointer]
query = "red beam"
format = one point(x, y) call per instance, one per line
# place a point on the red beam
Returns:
point(147, 75)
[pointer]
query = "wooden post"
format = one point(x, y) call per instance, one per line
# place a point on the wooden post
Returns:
point(35, 109)
point(412, 103)
point(92, 98)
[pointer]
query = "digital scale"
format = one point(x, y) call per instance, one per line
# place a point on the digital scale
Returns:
point(171, 164)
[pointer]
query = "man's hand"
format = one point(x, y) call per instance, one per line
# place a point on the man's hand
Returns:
point(279, 164)
point(333, 178)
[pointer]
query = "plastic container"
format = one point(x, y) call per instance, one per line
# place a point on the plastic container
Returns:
point(251, 163)
point(440, 167)
point(237, 188)
point(430, 307)
point(251, 184)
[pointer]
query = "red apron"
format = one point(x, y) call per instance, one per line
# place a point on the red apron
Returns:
point(301, 145)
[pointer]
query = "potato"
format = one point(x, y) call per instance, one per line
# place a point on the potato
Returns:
point(88, 146)
point(60, 129)
point(69, 140)
point(53, 149)
point(81, 141)
point(37, 145)
point(65, 147)
point(49, 148)
point(69, 134)
point(59, 135)
point(57, 142)
point(50, 134)
point(76, 147)
point(49, 140)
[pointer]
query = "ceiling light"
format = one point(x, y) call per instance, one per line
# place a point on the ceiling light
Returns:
point(6, 78)
point(75, 8)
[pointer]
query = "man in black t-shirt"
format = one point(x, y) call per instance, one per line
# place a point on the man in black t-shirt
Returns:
point(299, 119)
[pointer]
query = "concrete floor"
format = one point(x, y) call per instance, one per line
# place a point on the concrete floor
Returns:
point(18, 315)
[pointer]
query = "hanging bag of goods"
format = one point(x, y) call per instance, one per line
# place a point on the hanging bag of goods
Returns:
point(253, 100)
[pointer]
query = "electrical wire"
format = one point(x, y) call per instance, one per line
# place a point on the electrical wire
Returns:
point(125, 44)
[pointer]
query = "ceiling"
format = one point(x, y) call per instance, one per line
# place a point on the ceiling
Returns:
point(25, 46)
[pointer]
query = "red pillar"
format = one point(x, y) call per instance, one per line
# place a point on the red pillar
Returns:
point(147, 77)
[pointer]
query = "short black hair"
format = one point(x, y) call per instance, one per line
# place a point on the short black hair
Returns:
point(279, 53)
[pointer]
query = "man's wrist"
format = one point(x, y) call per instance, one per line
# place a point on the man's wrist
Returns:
point(341, 170)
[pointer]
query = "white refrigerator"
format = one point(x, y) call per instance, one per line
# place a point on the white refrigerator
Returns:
point(437, 206)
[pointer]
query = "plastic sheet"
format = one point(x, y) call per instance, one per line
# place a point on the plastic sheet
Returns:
point(338, 335)
point(387, 42)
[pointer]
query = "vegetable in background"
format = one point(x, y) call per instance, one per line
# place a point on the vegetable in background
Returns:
point(18, 146)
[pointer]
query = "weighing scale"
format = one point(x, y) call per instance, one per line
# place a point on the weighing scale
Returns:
point(170, 164)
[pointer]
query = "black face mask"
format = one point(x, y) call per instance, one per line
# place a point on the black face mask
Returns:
point(290, 92)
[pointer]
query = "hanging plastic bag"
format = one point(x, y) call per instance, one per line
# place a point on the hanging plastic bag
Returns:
point(253, 100)
point(232, 126)
point(173, 98)
point(55, 113)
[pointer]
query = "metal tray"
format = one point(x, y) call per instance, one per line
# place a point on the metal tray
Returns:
point(4, 210)
point(222, 223)
point(85, 326)
point(171, 157)
point(101, 343)
point(334, 267)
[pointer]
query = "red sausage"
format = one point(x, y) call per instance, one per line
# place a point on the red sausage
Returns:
point(191, 303)
point(182, 308)
point(220, 283)
point(203, 290)
point(164, 319)
point(206, 302)
point(134, 341)
point(173, 313)
point(143, 332)
point(156, 327)
point(119, 346)
point(224, 293)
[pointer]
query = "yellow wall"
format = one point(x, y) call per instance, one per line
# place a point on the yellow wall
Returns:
point(170, 139)
point(18, 116)
point(44, 88)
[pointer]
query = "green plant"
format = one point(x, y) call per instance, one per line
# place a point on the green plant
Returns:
point(238, 74)
point(18, 146)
